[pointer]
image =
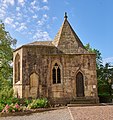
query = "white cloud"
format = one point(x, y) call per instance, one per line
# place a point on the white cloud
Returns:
point(8, 20)
point(12, 2)
point(22, 26)
point(20, 15)
point(33, 3)
point(45, 1)
point(41, 35)
point(45, 16)
point(35, 16)
point(40, 22)
point(45, 8)
point(16, 23)
point(108, 60)
point(43, 20)
point(3, 9)
point(2, 13)
point(21, 2)
point(17, 8)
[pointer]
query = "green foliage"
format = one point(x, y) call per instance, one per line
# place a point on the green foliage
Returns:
point(6, 93)
point(1, 106)
point(6, 55)
point(12, 108)
point(38, 103)
point(98, 55)
point(104, 74)
point(27, 102)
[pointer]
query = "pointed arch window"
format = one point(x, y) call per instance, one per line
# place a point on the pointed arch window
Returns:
point(17, 68)
point(56, 74)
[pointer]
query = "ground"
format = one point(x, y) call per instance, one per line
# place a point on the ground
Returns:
point(70, 113)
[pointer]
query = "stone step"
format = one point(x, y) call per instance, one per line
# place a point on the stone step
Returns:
point(82, 101)
point(83, 105)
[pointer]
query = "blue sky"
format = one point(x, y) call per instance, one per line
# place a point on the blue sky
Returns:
point(33, 20)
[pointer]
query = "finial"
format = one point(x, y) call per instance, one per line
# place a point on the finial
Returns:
point(65, 16)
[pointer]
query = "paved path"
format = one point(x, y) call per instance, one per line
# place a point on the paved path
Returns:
point(61, 114)
point(92, 113)
point(71, 113)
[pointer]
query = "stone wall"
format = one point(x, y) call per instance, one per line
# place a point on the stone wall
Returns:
point(41, 64)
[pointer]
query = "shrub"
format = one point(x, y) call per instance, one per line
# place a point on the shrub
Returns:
point(38, 103)
point(1, 107)
point(27, 102)
point(6, 93)
point(12, 108)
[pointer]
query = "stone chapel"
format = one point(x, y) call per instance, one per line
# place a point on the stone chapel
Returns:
point(61, 70)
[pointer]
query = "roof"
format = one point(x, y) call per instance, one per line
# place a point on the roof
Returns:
point(42, 43)
point(67, 40)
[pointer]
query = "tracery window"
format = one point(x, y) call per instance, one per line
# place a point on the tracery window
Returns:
point(56, 73)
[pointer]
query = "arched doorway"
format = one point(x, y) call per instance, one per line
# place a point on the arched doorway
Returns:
point(79, 85)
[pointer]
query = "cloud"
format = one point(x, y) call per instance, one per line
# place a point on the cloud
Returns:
point(41, 35)
point(17, 8)
point(45, 1)
point(12, 2)
point(33, 3)
point(3, 7)
point(2, 13)
point(8, 20)
point(45, 8)
point(35, 16)
point(21, 2)
point(21, 27)
point(108, 60)
point(28, 17)
point(43, 20)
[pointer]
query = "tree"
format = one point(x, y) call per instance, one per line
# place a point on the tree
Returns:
point(98, 55)
point(104, 75)
point(6, 55)
point(105, 78)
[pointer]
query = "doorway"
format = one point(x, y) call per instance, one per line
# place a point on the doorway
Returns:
point(79, 85)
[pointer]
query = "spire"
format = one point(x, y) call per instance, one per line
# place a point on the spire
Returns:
point(67, 40)
point(65, 15)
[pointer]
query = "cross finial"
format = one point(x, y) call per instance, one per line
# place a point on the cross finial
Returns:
point(65, 16)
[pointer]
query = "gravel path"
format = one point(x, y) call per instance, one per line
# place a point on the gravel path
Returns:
point(92, 113)
point(61, 114)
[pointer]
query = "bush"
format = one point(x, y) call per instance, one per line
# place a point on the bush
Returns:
point(38, 103)
point(1, 107)
point(27, 102)
point(12, 108)
point(105, 98)
point(6, 93)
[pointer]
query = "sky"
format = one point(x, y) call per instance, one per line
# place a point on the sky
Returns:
point(40, 20)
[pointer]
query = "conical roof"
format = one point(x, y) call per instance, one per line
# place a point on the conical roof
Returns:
point(67, 40)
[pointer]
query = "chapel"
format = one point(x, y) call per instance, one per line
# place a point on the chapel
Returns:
point(61, 70)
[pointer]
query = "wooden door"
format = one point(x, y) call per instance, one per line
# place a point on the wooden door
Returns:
point(79, 85)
